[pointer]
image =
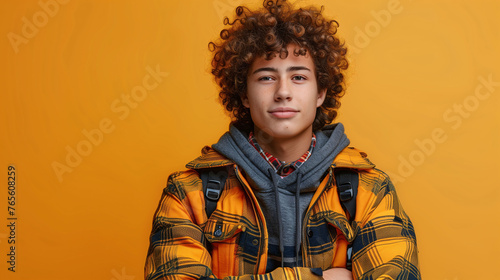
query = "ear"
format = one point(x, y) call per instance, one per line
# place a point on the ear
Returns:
point(244, 101)
point(321, 97)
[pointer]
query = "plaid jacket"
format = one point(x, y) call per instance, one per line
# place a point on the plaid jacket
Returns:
point(232, 242)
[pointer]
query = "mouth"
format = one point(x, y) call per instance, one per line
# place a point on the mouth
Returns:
point(283, 112)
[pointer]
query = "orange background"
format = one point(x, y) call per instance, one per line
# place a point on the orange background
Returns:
point(70, 67)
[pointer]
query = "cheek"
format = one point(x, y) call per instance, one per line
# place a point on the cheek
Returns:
point(258, 108)
point(313, 106)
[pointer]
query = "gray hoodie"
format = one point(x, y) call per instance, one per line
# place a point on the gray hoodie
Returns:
point(283, 200)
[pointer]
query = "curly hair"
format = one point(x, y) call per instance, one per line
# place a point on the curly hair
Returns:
point(267, 33)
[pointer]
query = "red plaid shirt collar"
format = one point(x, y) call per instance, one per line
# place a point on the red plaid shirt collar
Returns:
point(283, 169)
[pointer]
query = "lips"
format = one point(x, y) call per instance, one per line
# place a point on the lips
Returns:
point(283, 112)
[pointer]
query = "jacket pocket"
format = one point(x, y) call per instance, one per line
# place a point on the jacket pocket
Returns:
point(321, 240)
point(344, 234)
point(342, 224)
point(223, 236)
point(327, 240)
point(217, 230)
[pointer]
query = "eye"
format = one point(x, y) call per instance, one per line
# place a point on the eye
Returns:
point(299, 78)
point(265, 78)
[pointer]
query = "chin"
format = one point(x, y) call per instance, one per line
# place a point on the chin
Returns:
point(286, 133)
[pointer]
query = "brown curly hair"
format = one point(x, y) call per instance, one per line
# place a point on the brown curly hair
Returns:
point(268, 32)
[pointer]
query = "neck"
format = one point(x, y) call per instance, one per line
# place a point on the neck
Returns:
point(284, 149)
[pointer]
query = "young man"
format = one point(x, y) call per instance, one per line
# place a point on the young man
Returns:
point(280, 214)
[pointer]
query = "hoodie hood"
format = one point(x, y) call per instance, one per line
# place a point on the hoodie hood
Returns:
point(284, 200)
point(329, 142)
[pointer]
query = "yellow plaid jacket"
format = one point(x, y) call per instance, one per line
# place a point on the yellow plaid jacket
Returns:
point(232, 242)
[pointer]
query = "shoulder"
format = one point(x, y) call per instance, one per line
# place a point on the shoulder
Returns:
point(353, 158)
point(180, 183)
point(371, 178)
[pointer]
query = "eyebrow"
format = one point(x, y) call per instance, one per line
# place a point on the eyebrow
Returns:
point(289, 69)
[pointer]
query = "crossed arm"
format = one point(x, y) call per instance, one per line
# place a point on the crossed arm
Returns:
point(177, 250)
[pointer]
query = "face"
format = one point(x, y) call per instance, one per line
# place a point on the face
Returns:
point(282, 96)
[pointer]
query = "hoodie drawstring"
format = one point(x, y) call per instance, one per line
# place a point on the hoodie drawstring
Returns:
point(297, 219)
point(278, 213)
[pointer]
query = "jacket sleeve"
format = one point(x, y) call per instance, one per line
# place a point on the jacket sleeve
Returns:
point(385, 246)
point(177, 244)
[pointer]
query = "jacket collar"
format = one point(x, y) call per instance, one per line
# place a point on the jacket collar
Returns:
point(209, 159)
point(350, 157)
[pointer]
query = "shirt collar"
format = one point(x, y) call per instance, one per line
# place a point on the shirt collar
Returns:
point(281, 168)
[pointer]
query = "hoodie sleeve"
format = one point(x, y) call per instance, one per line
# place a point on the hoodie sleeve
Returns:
point(385, 247)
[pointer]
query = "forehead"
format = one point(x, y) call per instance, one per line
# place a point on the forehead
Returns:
point(292, 59)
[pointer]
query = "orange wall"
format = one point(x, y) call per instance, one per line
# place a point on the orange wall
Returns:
point(101, 100)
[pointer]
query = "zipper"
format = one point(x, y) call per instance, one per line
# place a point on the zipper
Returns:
point(308, 213)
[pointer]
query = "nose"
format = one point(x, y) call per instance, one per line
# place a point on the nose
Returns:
point(283, 91)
